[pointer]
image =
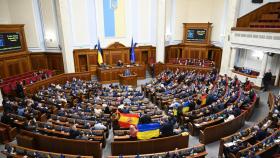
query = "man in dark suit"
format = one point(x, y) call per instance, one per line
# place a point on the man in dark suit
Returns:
point(267, 80)
point(73, 133)
point(19, 90)
point(120, 63)
point(166, 128)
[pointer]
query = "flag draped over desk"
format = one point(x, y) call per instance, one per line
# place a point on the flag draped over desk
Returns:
point(148, 131)
point(126, 120)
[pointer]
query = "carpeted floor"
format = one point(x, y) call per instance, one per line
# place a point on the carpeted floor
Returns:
point(260, 112)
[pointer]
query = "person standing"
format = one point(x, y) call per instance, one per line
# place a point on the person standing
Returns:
point(267, 80)
point(152, 66)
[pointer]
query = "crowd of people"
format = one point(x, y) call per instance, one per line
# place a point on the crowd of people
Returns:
point(266, 132)
point(195, 62)
point(80, 108)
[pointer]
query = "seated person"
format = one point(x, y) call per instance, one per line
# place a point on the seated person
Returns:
point(145, 119)
point(21, 111)
point(127, 72)
point(119, 63)
point(261, 134)
point(31, 125)
point(5, 118)
point(166, 128)
point(99, 126)
point(73, 133)
point(82, 136)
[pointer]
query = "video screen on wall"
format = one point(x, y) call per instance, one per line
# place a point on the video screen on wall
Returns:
point(9, 41)
point(196, 34)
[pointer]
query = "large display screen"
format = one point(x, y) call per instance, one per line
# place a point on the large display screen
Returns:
point(196, 34)
point(9, 41)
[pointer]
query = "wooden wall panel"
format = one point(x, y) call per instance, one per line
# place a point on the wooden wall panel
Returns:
point(106, 57)
point(92, 59)
point(2, 72)
point(138, 56)
point(25, 64)
point(14, 65)
point(47, 60)
point(55, 61)
point(115, 56)
point(126, 58)
point(38, 61)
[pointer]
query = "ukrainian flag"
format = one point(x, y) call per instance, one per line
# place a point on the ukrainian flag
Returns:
point(148, 131)
point(186, 107)
point(114, 15)
point(126, 120)
point(99, 54)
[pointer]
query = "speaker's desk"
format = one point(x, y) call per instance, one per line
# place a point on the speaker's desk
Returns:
point(128, 80)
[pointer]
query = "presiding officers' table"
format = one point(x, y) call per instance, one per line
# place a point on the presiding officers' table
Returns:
point(111, 74)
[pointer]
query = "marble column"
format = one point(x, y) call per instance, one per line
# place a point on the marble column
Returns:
point(231, 12)
point(263, 69)
point(277, 71)
point(160, 47)
point(232, 60)
point(264, 64)
point(65, 34)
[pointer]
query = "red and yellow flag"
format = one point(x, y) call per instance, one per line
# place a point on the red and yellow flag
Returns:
point(125, 120)
point(203, 99)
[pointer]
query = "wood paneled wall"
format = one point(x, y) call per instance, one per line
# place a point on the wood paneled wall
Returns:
point(47, 60)
point(86, 59)
point(183, 51)
point(14, 63)
point(17, 63)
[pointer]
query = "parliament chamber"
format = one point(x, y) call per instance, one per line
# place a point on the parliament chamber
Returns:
point(139, 79)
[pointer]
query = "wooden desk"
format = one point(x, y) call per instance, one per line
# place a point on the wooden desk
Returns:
point(111, 75)
point(128, 80)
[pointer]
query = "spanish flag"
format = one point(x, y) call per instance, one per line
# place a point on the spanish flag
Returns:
point(148, 131)
point(99, 54)
point(203, 99)
point(126, 120)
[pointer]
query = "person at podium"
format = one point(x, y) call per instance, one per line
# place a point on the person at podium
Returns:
point(127, 72)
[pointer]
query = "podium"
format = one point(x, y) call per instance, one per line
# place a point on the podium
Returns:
point(128, 80)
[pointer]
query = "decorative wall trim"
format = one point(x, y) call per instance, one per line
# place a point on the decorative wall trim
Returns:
point(266, 41)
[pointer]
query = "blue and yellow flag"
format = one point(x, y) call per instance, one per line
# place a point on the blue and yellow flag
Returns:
point(99, 54)
point(186, 107)
point(132, 53)
point(148, 131)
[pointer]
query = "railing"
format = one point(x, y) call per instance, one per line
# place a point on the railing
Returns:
point(266, 40)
